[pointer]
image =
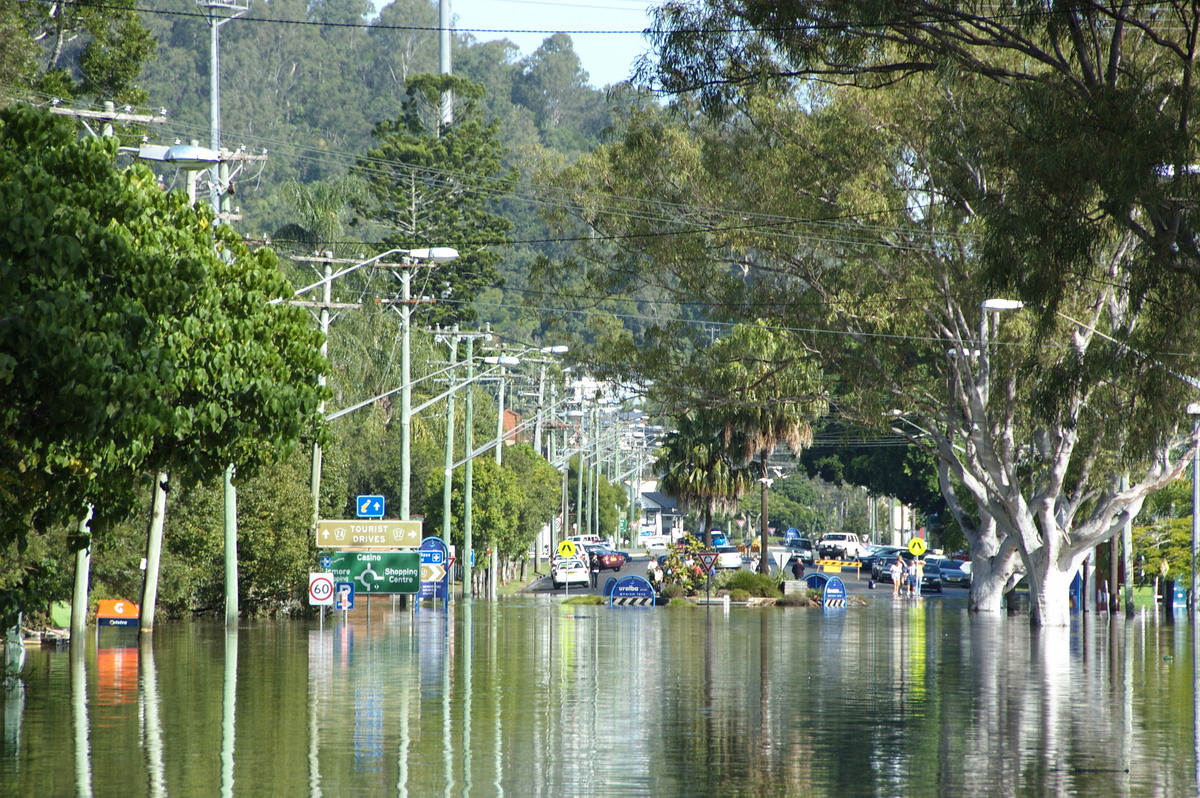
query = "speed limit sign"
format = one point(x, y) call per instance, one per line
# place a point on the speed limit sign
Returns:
point(320, 590)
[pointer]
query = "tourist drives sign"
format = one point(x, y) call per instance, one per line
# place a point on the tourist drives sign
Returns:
point(373, 572)
point(390, 534)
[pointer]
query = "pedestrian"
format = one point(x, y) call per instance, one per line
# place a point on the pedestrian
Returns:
point(754, 564)
point(797, 568)
point(897, 572)
point(918, 574)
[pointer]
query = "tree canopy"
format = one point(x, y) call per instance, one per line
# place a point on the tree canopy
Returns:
point(136, 335)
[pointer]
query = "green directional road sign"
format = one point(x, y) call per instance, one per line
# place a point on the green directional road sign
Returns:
point(378, 571)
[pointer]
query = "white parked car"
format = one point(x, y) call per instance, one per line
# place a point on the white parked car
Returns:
point(728, 557)
point(569, 571)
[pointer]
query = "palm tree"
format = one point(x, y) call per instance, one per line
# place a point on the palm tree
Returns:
point(700, 469)
point(779, 393)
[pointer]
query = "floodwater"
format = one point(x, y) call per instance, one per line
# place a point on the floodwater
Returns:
point(531, 697)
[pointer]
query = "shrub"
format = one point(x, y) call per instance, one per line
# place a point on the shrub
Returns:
point(586, 598)
point(674, 591)
point(795, 600)
point(754, 584)
point(739, 595)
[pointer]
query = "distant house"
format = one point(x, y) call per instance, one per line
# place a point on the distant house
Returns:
point(660, 515)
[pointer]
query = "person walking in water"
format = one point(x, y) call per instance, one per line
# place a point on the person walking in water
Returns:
point(897, 572)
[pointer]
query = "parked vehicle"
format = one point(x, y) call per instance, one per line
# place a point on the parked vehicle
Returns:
point(953, 573)
point(569, 571)
point(931, 577)
point(728, 557)
point(802, 548)
point(875, 555)
point(607, 559)
point(840, 546)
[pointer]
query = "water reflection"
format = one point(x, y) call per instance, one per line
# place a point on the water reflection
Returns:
point(152, 713)
point(535, 698)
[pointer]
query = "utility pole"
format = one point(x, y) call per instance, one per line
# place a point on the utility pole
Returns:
point(468, 472)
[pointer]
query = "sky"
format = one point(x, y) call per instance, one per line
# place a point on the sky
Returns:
point(607, 57)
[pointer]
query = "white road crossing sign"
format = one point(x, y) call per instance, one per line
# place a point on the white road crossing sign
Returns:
point(320, 590)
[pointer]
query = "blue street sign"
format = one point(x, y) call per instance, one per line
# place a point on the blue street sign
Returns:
point(434, 556)
point(631, 591)
point(369, 506)
point(326, 561)
point(834, 596)
point(343, 596)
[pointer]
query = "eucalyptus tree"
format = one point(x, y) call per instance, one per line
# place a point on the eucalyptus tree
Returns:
point(863, 226)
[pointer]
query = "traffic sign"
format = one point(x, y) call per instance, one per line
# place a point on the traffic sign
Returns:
point(709, 558)
point(326, 561)
point(369, 506)
point(385, 534)
point(434, 556)
point(320, 590)
point(917, 547)
point(379, 571)
point(345, 596)
point(566, 549)
point(834, 595)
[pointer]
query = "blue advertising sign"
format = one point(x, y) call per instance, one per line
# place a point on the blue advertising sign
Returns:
point(609, 585)
point(835, 593)
point(369, 506)
point(632, 591)
point(435, 577)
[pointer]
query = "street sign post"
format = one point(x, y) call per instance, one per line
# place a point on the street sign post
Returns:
point(320, 590)
point(435, 582)
point(383, 534)
point(345, 596)
point(376, 572)
point(709, 558)
point(369, 506)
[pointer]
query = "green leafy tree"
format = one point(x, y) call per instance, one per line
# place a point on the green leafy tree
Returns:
point(75, 50)
point(537, 497)
point(495, 506)
point(136, 336)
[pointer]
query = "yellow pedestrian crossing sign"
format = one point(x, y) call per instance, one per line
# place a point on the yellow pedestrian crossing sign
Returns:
point(917, 547)
point(566, 549)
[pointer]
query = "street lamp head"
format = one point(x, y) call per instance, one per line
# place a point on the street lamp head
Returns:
point(502, 360)
point(1002, 304)
point(560, 349)
point(191, 156)
point(434, 254)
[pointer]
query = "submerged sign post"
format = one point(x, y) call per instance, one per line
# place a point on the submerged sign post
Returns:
point(434, 569)
point(384, 534)
point(373, 572)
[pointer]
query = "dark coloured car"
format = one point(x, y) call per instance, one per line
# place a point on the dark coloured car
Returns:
point(953, 573)
point(931, 577)
point(802, 548)
point(871, 563)
point(608, 560)
point(882, 564)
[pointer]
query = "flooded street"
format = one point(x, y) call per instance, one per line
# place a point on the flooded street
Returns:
point(530, 697)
